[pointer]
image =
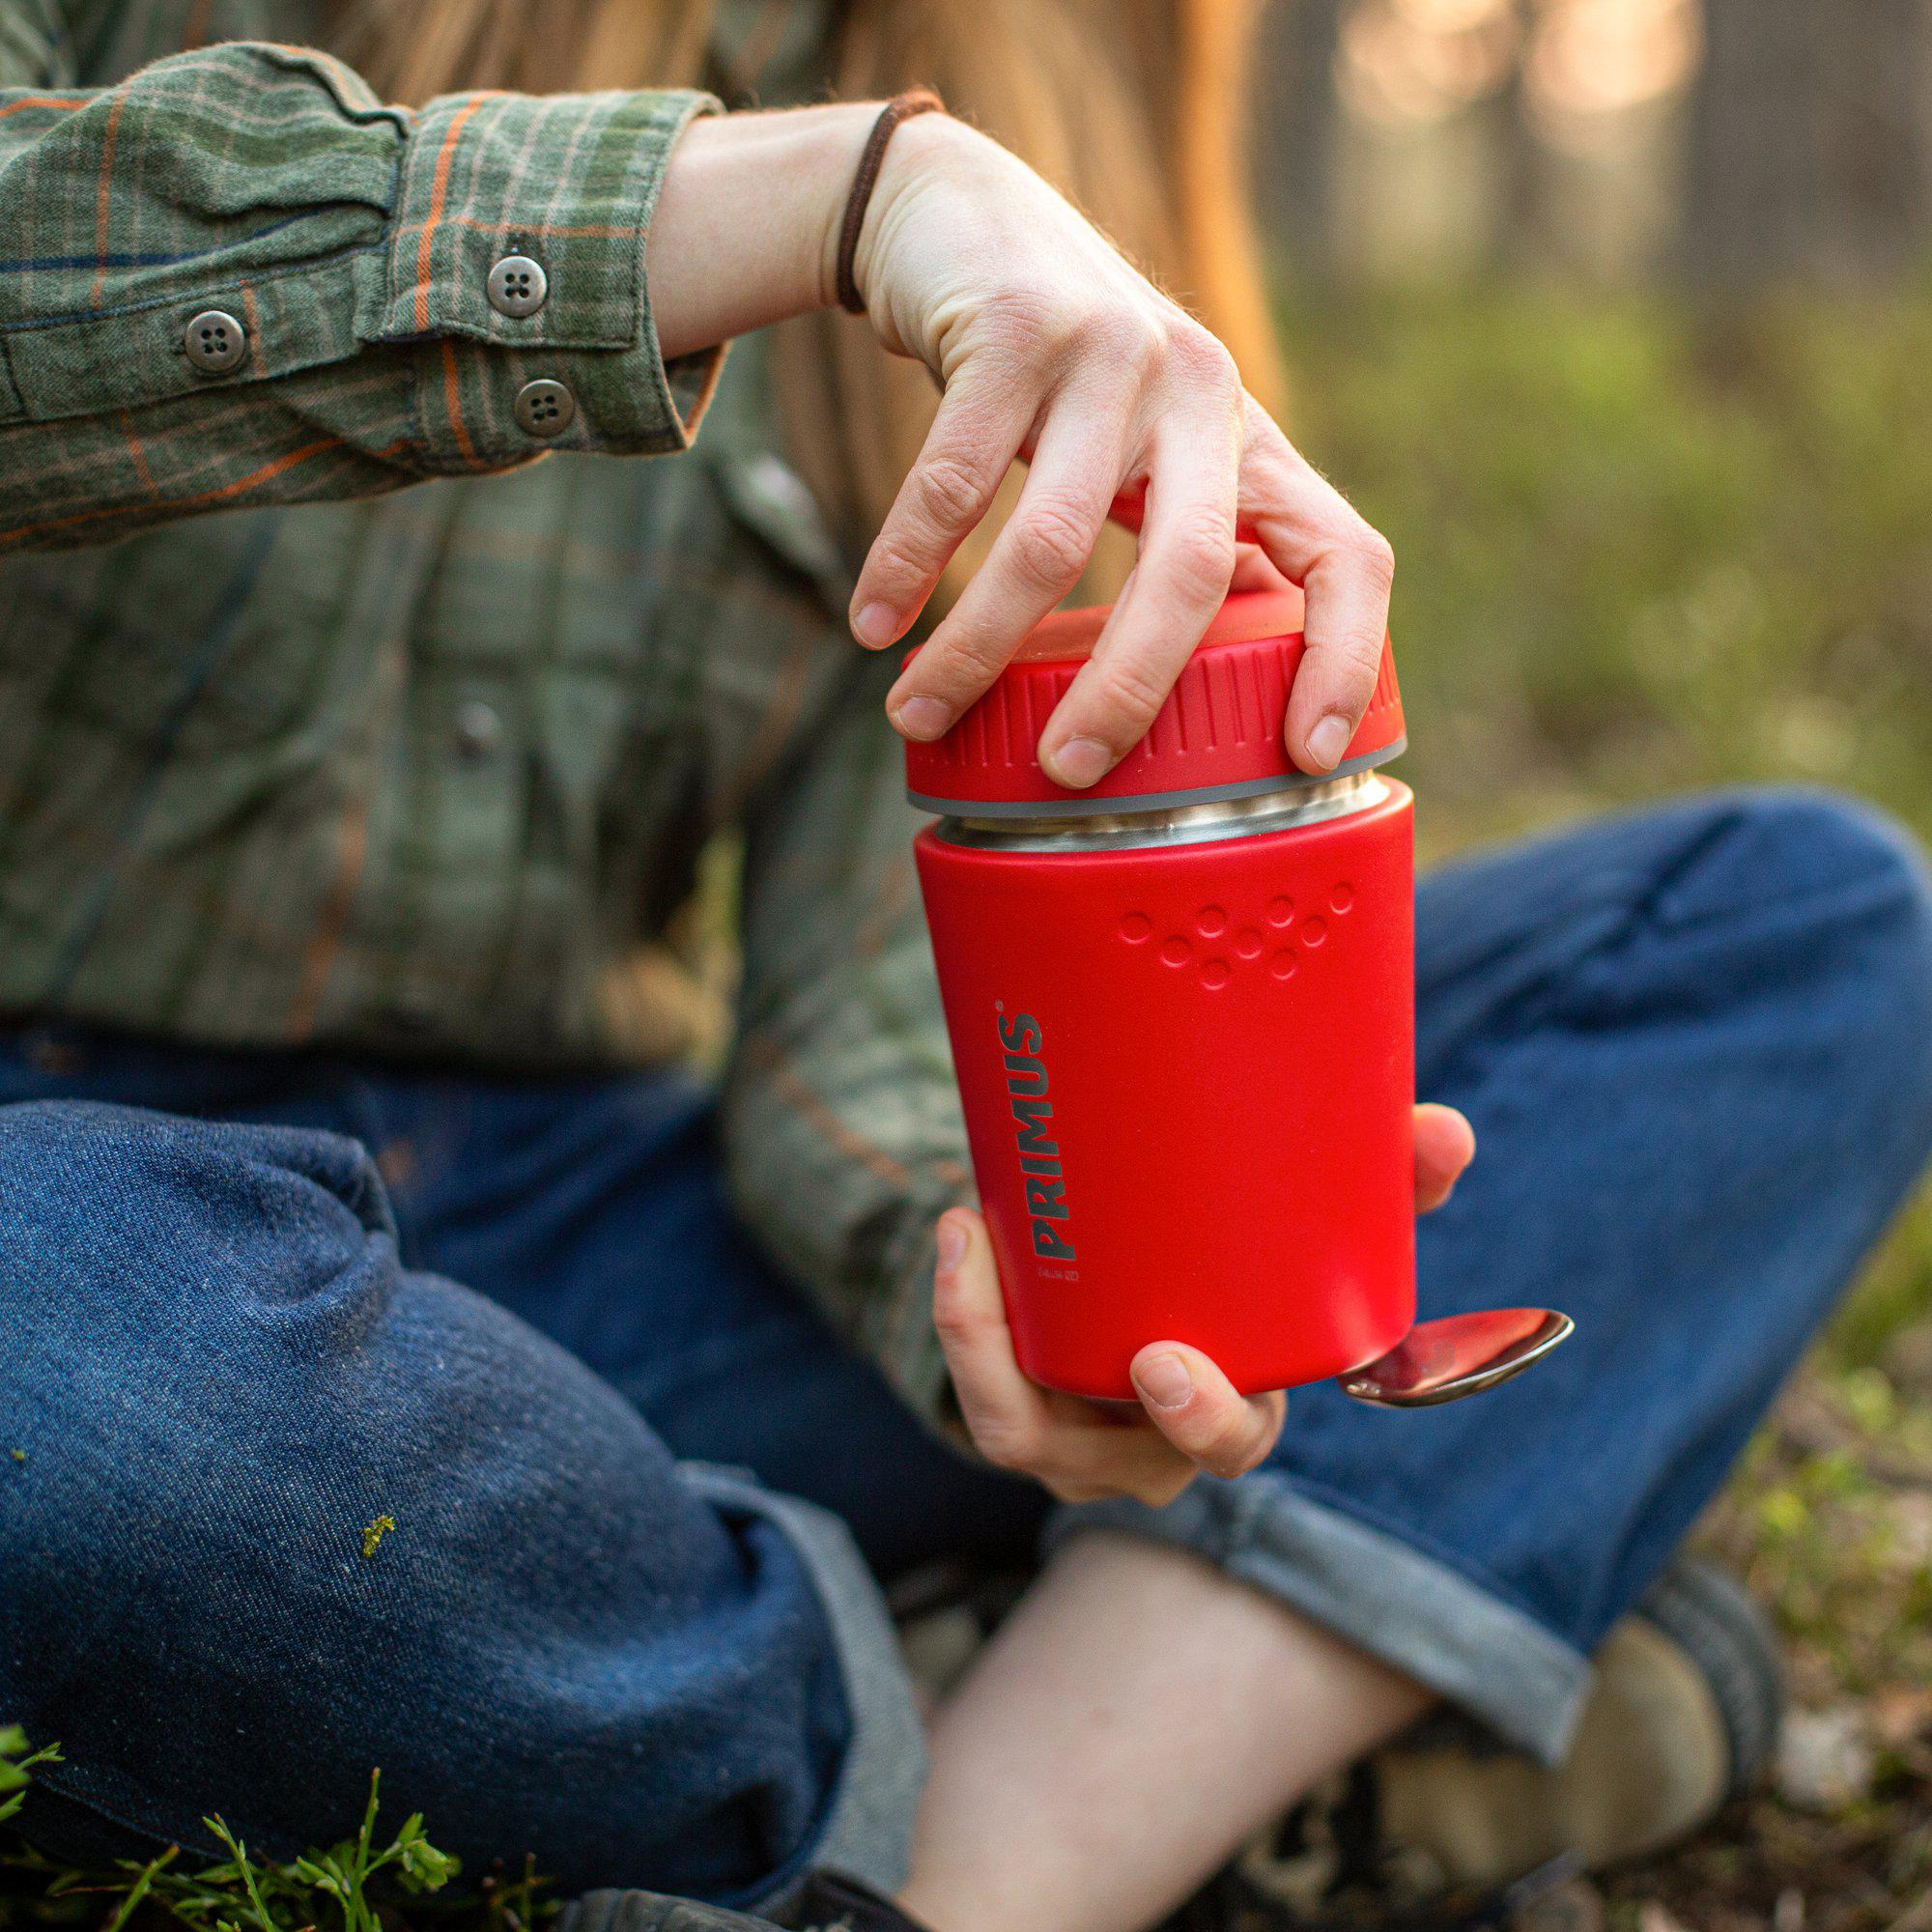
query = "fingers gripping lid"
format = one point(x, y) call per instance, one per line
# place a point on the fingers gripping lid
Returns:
point(1218, 735)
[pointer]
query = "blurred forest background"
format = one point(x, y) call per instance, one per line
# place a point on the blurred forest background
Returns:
point(1616, 315)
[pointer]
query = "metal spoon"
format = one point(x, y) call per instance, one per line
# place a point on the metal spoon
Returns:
point(1458, 1356)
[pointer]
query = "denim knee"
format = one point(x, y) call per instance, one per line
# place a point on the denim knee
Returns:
point(139, 1230)
point(1761, 851)
point(1825, 904)
point(162, 1285)
point(286, 1511)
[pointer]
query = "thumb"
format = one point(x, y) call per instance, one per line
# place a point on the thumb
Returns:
point(1199, 1410)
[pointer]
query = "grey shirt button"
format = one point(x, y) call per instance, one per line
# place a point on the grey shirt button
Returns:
point(544, 408)
point(215, 341)
point(518, 286)
point(477, 729)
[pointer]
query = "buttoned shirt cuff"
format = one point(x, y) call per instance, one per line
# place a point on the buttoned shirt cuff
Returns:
point(569, 181)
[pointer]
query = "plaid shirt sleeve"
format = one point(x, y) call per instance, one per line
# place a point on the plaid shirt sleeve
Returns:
point(354, 243)
point(843, 1130)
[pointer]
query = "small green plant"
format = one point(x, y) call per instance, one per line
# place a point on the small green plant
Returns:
point(17, 1766)
point(357, 1885)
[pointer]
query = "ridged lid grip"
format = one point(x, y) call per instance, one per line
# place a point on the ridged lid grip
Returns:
point(1218, 735)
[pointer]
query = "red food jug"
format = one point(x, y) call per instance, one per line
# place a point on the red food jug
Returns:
point(1181, 1008)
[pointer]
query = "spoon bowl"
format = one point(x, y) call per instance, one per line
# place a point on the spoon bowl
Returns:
point(1458, 1355)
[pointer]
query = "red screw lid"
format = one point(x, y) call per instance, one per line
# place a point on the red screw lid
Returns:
point(1217, 736)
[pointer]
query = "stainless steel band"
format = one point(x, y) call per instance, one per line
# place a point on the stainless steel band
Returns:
point(1195, 824)
point(1077, 805)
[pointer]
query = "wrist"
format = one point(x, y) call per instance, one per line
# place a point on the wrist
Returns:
point(747, 222)
point(922, 149)
point(837, 140)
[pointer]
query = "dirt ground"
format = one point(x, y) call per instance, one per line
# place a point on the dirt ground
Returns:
point(1831, 1521)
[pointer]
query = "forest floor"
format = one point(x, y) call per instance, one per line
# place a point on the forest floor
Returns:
point(1643, 549)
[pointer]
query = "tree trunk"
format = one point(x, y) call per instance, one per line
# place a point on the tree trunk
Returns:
point(1756, 172)
point(1519, 234)
point(1809, 139)
point(1297, 128)
point(1874, 68)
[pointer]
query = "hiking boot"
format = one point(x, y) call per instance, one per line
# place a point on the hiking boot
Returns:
point(823, 1903)
point(1445, 1825)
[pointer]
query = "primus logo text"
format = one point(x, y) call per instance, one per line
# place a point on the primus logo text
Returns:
point(1040, 1157)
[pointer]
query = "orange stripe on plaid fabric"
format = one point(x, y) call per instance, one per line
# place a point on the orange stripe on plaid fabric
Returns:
point(452, 399)
point(439, 194)
point(137, 452)
point(770, 1058)
point(239, 487)
point(59, 100)
point(104, 195)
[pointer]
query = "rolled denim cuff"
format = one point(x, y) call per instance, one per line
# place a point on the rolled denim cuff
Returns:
point(1407, 1608)
point(867, 1829)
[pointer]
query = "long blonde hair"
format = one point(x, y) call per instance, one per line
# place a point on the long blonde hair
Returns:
point(1131, 107)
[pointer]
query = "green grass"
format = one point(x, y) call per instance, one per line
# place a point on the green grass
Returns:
point(366, 1883)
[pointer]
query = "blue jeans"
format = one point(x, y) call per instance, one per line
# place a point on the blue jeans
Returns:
point(626, 1618)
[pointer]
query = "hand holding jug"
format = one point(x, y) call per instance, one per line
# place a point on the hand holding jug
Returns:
point(1181, 1008)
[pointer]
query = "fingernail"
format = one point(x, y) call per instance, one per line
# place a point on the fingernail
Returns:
point(1078, 763)
point(951, 1244)
point(876, 626)
point(1328, 741)
point(923, 717)
point(1164, 1381)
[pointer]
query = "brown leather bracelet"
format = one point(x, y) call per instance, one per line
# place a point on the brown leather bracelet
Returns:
point(901, 107)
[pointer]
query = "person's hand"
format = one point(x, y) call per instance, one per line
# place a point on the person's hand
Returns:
point(1048, 344)
point(1191, 1417)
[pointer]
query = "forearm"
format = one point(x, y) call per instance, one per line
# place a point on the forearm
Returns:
point(372, 306)
point(747, 221)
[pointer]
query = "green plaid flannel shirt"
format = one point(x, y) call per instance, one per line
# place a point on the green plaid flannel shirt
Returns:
point(419, 770)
